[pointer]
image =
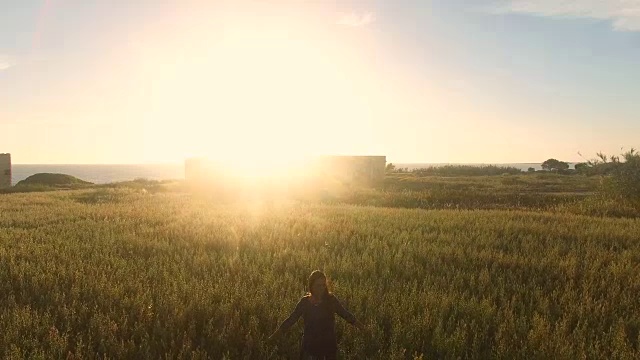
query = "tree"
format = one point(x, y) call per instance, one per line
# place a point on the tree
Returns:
point(581, 167)
point(555, 165)
point(531, 169)
point(390, 167)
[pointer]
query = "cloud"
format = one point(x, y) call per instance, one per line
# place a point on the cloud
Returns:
point(623, 14)
point(6, 62)
point(357, 20)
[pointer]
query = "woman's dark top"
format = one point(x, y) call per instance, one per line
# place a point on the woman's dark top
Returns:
point(319, 323)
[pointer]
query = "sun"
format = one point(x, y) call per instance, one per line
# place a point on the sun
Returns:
point(261, 101)
point(263, 165)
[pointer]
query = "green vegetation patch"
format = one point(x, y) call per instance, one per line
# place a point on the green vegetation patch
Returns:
point(53, 180)
point(106, 196)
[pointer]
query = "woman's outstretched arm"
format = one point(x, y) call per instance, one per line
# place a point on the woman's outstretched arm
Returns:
point(288, 322)
point(345, 314)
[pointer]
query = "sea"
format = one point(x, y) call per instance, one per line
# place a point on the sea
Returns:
point(103, 174)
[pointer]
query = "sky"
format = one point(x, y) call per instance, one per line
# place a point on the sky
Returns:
point(447, 81)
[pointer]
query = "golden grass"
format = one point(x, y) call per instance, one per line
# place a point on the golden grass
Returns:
point(122, 273)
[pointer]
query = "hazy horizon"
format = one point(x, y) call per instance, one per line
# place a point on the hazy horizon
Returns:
point(394, 162)
point(485, 82)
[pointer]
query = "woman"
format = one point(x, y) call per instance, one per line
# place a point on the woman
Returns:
point(317, 308)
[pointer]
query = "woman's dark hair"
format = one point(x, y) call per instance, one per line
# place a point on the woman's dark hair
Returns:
point(327, 297)
point(315, 275)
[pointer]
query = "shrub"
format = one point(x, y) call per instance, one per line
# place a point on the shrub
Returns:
point(466, 170)
point(620, 178)
point(624, 179)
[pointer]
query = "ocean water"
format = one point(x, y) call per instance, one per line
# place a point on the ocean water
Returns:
point(102, 174)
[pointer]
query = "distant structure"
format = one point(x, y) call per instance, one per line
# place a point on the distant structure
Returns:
point(200, 170)
point(361, 170)
point(5, 170)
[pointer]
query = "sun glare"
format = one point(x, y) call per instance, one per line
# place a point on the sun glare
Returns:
point(266, 165)
point(259, 100)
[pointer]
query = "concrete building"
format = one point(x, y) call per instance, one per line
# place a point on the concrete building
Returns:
point(5, 170)
point(362, 170)
point(322, 170)
point(203, 171)
point(193, 169)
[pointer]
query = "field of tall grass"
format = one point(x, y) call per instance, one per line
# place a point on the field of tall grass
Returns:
point(122, 272)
